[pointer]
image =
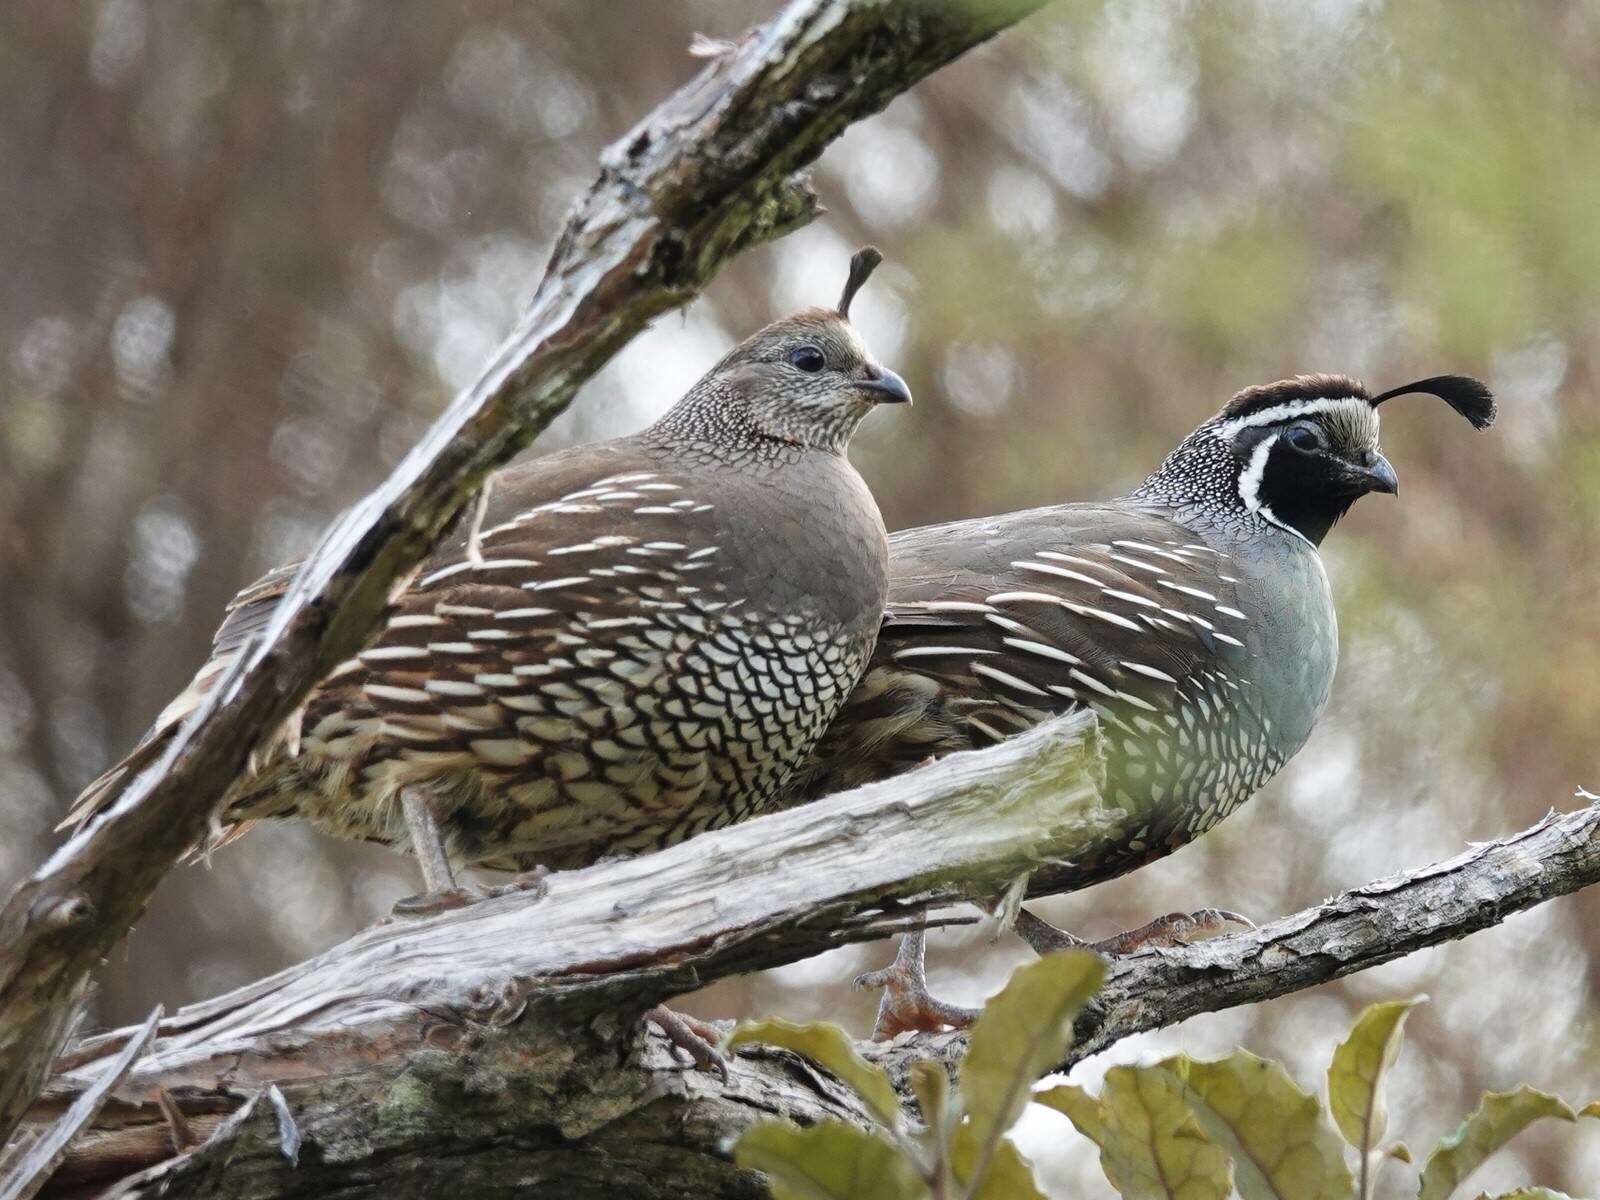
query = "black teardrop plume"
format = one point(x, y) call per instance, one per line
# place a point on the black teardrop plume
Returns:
point(1466, 395)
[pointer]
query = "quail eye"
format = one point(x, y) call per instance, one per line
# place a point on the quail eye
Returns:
point(1305, 439)
point(807, 358)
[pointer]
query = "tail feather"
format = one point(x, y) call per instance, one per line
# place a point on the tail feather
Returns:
point(247, 615)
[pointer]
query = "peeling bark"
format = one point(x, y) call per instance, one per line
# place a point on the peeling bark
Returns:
point(413, 1067)
point(505, 1036)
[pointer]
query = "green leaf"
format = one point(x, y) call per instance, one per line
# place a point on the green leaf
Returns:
point(931, 1086)
point(1079, 1107)
point(827, 1161)
point(1281, 1143)
point(1355, 1076)
point(831, 1047)
point(1022, 1032)
point(1150, 1146)
point(1007, 1176)
point(1499, 1118)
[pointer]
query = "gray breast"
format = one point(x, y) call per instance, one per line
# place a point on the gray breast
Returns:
point(1237, 723)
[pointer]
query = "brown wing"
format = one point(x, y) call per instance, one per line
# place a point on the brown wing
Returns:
point(578, 493)
point(538, 632)
point(994, 625)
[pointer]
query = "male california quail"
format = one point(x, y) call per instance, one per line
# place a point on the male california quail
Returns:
point(633, 641)
point(1193, 616)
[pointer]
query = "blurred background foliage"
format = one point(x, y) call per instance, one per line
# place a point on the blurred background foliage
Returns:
point(247, 251)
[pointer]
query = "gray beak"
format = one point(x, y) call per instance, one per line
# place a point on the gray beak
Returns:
point(883, 386)
point(1381, 476)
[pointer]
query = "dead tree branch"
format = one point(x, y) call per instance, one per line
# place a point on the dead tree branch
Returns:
point(532, 999)
point(715, 169)
point(1362, 928)
point(495, 1047)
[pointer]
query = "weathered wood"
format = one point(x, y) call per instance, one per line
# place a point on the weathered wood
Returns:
point(1355, 931)
point(24, 1172)
point(556, 981)
point(412, 1068)
point(712, 171)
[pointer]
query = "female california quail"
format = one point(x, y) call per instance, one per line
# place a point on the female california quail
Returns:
point(634, 641)
point(1193, 616)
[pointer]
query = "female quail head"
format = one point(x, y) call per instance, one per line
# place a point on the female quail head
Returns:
point(807, 380)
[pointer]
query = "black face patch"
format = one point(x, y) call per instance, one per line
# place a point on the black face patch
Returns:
point(1305, 471)
point(1307, 491)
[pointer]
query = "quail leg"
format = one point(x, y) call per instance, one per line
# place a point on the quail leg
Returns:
point(1174, 929)
point(694, 1037)
point(441, 891)
point(907, 1003)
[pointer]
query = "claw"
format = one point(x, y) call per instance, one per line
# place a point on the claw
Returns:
point(536, 881)
point(1174, 929)
point(692, 1036)
point(906, 1004)
point(426, 904)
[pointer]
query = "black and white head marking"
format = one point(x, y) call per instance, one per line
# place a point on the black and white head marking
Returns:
point(1297, 453)
point(1306, 460)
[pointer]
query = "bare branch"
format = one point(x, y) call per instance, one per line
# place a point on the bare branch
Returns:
point(408, 1049)
point(1360, 929)
point(1355, 931)
point(709, 173)
point(556, 982)
point(622, 936)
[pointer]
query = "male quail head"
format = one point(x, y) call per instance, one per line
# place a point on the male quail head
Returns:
point(633, 641)
point(1192, 616)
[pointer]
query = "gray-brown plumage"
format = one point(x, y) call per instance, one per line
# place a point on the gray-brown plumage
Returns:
point(1193, 617)
point(641, 639)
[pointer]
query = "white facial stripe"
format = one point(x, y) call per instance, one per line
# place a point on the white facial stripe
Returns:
point(1354, 407)
point(1254, 470)
point(1250, 486)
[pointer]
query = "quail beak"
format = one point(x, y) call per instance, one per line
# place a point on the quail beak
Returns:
point(1379, 476)
point(883, 386)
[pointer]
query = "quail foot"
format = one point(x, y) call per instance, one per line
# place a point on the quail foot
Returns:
point(1193, 617)
point(629, 643)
